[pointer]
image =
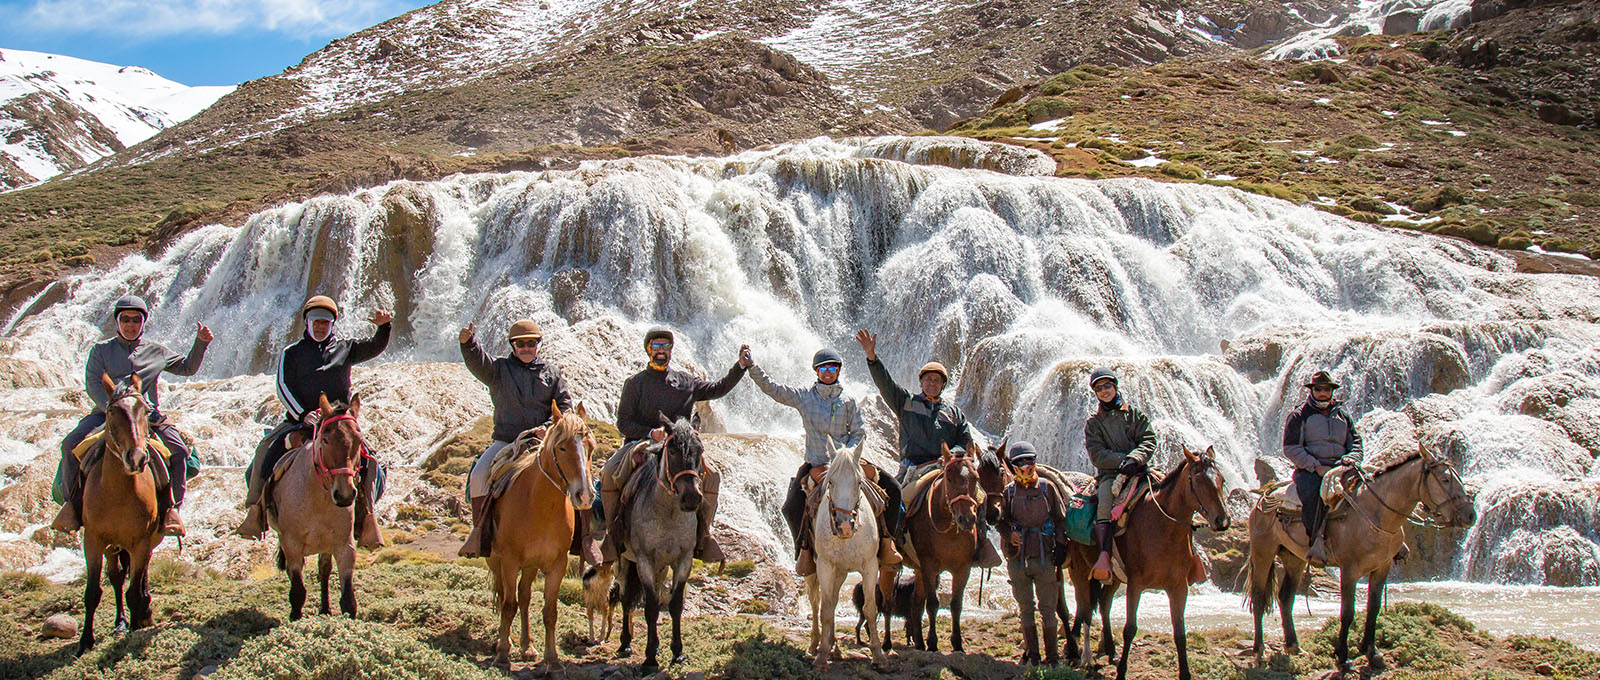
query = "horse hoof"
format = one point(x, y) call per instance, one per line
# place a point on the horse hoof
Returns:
point(680, 659)
point(649, 667)
point(120, 628)
point(1375, 662)
point(624, 652)
point(85, 646)
point(501, 661)
point(1291, 650)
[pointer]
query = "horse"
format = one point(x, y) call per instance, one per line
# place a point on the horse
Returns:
point(844, 539)
point(1363, 546)
point(534, 519)
point(314, 506)
point(1157, 553)
point(659, 534)
point(944, 531)
point(121, 514)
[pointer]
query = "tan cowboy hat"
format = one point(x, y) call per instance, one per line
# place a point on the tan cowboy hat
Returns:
point(933, 367)
point(1322, 379)
point(320, 302)
point(525, 329)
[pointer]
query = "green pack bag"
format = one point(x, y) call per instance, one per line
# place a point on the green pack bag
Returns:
point(1079, 522)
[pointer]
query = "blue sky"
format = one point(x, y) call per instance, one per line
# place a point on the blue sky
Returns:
point(195, 42)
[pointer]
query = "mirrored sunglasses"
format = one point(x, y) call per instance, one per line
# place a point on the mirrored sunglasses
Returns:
point(828, 368)
point(130, 318)
point(660, 345)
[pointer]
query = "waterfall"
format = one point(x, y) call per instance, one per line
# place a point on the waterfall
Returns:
point(1212, 304)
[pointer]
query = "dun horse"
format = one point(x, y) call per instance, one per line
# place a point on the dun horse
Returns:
point(314, 507)
point(660, 535)
point(534, 522)
point(1158, 553)
point(845, 536)
point(1362, 544)
point(944, 531)
point(121, 520)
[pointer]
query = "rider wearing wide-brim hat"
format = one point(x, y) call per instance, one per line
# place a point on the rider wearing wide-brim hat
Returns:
point(1317, 437)
point(927, 422)
point(124, 354)
point(1120, 442)
point(316, 365)
point(825, 413)
point(1031, 515)
point(522, 387)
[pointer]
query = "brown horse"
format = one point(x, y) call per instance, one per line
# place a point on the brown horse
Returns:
point(944, 531)
point(534, 521)
point(121, 524)
point(1363, 543)
point(1157, 553)
point(314, 506)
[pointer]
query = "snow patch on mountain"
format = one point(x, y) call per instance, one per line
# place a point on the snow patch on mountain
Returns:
point(1370, 17)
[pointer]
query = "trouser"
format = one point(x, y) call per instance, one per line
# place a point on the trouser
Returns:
point(794, 505)
point(177, 461)
point(478, 478)
point(1308, 485)
point(1105, 497)
point(1035, 580)
point(268, 452)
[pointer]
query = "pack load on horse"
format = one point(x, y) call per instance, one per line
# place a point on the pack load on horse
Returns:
point(311, 496)
point(943, 528)
point(655, 521)
point(1364, 529)
point(316, 366)
point(125, 354)
point(828, 417)
point(843, 518)
point(660, 392)
point(1153, 545)
point(1031, 515)
point(540, 496)
point(525, 391)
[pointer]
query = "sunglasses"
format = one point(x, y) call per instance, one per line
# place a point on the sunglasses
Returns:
point(130, 318)
point(660, 345)
point(1105, 386)
point(524, 344)
point(828, 368)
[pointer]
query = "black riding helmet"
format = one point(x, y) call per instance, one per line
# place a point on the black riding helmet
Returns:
point(824, 357)
point(1101, 373)
point(130, 303)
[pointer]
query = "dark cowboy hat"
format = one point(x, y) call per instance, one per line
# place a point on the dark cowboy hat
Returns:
point(1322, 379)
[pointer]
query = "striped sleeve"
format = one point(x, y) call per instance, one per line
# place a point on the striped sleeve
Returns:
point(285, 395)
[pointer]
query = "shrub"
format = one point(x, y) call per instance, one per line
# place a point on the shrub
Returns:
point(740, 568)
point(1415, 635)
point(1182, 171)
point(756, 606)
point(1041, 109)
point(321, 648)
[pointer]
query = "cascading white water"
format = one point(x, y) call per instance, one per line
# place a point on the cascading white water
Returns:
point(1213, 304)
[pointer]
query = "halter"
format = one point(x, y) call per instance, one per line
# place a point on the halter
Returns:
point(944, 491)
point(667, 482)
point(564, 483)
point(323, 471)
point(124, 391)
point(836, 510)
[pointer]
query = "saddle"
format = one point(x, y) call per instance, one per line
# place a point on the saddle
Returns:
point(874, 494)
point(1282, 496)
point(82, 450)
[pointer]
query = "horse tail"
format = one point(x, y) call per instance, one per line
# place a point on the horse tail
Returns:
point(1265, 595)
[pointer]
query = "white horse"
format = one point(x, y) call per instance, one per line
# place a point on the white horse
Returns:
point(844, 539)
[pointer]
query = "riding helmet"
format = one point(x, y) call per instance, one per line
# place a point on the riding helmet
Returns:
point(130, 302)
point(824, 357)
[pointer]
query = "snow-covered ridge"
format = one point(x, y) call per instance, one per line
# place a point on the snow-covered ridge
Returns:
point(130, 102)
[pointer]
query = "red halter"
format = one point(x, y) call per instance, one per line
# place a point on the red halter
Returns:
point(323, 471)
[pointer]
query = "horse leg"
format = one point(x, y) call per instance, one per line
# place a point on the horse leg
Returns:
point(506, 598)
point(294, 563)
point(1261, 568)
point(913, 615)
point(93, 551)
point(652, 613)
point(1177, 598)
point(1103, 596)
point(1347, 617)
point(524, 598)
point(139, 585)
point(828, 578)
point(552, 593)
point(324, 574)
point(117, 574)
point(930, 603)
point(675, 607)
point(869, 606)
point(1082, 623)
point(347, 580)
point(1375, 584)
point(885, 602)
point(630, 595)
point(958, 591)
point(1286, 593)
point(1130, 628)
point(813, 595)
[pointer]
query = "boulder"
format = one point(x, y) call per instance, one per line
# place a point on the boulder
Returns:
point(59, 626)
point(1401, 23)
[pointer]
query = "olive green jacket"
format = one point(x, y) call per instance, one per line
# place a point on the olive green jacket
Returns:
point(1111, 436)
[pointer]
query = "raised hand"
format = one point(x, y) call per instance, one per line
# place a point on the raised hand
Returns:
point(380, 317)
point(202, 333)
point(468, 332)
point(658, 434)
point(869, 343)
point(744, 357)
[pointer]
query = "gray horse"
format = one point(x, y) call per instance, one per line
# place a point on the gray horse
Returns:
point(660, 532)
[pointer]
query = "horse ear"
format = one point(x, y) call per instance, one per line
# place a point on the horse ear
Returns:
point(1189, 454)
point(355, 406)
point(1000, 451)
point(832, 449)
point(555, 411)
point(136, 381)
point(582, 412)
point(944, 452)
point(111, 386)
point(323, 405)
point(1423, 451)
point(665, 421)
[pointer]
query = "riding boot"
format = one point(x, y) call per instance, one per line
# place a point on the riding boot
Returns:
point(1318, 554)
point(473, 547)
point(610, 507)
point(70, 517)
point(986, 556)
point(887, 555)
point(366, 517)
point(806, 565)
point(1052, 651)
point(706, 548)
point(1103, 534)
point(588, 547)
point(171, 522)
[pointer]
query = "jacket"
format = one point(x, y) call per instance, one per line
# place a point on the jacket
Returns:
point(670, 392)
point(1111, 435)
point(925, 424)
point(309, 369)
point(521, 393)
point(1313, 437)
point(1035, 513)
point(119, 359)
point(824, 412)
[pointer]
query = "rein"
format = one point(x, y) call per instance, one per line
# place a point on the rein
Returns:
point(565, 483)
point(662, 478)
point(325, 473)
point(107, 441)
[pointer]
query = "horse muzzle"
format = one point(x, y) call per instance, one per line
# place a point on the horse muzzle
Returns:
point(845, 529)
point(344, 498)
point(582, 497)
point(1221, 524)
point(689, 501)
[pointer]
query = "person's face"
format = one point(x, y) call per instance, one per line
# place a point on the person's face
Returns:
point(660, 351)
point(1025, 468)
point(130, 325)
point(1106, 391)
point(1322, 393)
point(932, 384)
point(320, 328)
point(525, 349)
point(828, 374)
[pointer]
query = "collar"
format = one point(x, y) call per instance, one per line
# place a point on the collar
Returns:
point(1332, 405)
point(926, 398)
point(130, 345)
point(828, 391)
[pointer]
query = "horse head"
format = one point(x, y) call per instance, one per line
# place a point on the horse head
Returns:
point(569, 443)
point(843, 480)
point(127, 422)
point(337, 447)
point(994, 473)
point(681, 455)
point(959, 487)
point(1205, 485)
point(1444, 495)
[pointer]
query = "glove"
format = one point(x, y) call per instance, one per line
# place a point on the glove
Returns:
point(1131, 466)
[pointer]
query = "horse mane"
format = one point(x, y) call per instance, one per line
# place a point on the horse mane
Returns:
point(1170, 478)
point(1396, 462)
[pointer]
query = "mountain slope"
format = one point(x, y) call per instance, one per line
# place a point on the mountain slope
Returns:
point(60, 113)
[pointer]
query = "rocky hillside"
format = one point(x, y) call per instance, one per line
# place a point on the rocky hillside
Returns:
point(59, 113)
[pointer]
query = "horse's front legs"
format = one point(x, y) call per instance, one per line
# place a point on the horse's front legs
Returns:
point(93, 553)
point(1347, 617)
point(347, 580)
point(930, 602)
point(1177, 598)
point(117, 573)
point(958, 590)
point(552, 592)
point(324, 572)
point(295, 564)
point(1130, 628)
point(675, 607)
point(1375, 584)
point(139, 585)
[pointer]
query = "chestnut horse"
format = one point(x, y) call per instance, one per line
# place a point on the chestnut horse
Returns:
point(534, 521)
point(944, 531)
point(314, 506)
point(121, 520)
point(1157, 553)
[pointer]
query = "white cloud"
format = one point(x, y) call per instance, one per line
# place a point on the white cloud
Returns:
point(155, 18)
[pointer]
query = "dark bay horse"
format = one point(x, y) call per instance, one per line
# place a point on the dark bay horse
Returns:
point(659, 534)
point(121, 524)
point(1362, 543)
point(314, 503)
point(1158, 554)
point(535, 518)
point(944, 531)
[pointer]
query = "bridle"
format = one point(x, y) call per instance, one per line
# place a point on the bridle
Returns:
point(325, 473)
point(1202, 462)
point(850, 513)
point(944, 491)
point(1421, 514)
point(667, 482)
point(125, 392)
point(544, 448)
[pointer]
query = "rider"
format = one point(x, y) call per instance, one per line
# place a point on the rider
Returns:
point(1029, 518)
point(1119, 442)
point(825, 412)
point(121, 356)
point(926, 421)
point(521, 387)
point(1317, 437)
point(315, 366)
point(646, 396)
